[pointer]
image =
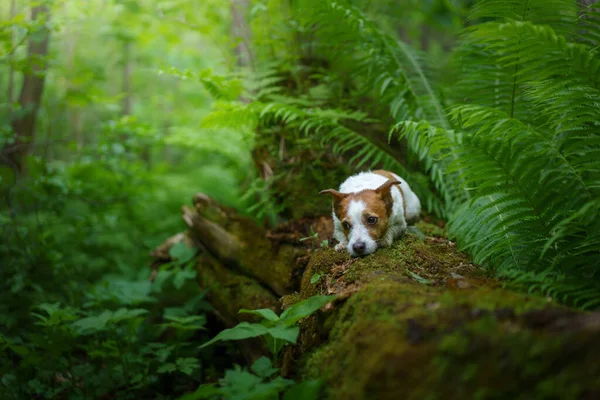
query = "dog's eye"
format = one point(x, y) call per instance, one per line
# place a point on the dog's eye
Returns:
point(372, 220)
point(346, 225)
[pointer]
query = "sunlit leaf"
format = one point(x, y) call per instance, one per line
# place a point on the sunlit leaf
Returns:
point(243, 330)
point(266, 313)
point(304, 308)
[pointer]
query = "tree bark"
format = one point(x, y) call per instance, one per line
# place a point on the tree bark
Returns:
point(417, 320)
point(75, 113)
point(240, 31)
point(31, 93)
point(11, 70)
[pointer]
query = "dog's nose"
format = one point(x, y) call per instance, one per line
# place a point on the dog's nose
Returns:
point(359, 247)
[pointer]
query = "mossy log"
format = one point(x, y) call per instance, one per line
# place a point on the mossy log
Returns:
point(414, 321)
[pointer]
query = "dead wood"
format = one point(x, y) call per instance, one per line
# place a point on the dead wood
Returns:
point(417, 320)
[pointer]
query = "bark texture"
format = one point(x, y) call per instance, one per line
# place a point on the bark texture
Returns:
point(31, 92)
point(417, 320)
point(241, 33)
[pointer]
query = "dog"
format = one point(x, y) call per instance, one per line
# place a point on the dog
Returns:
point(371, 210)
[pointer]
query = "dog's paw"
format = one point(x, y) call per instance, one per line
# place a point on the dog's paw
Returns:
point(340, 247)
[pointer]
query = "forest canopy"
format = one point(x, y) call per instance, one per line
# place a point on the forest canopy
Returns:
point(114, 113)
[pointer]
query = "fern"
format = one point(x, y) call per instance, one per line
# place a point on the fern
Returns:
point(524, 215)
point(560, 14)
point(590, 22)
point(515, 159)
point(384, 65)
point(529, 147)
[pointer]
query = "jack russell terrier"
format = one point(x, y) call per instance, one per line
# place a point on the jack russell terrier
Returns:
point(370, 210)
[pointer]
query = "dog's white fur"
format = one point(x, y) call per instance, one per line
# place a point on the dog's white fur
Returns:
point(397, 225)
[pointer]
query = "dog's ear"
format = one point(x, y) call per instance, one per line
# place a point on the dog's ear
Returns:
point(337, 196)
point(387, 187)
point(385, 191)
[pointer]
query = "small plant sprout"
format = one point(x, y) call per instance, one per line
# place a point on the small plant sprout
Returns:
point(313, 237)
point(276, 330)
point(315, 278)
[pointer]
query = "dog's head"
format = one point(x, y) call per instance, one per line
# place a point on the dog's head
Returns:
point(363, 216)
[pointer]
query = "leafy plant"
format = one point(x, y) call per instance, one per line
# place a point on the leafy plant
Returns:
point(315, 278)
point(527, 153)
point(276, 330)
point(257, 384)
point(510, 148)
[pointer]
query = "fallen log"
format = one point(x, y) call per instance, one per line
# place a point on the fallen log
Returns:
point(417, 320)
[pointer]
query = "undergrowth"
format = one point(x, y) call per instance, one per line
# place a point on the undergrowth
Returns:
point(80, 316)
point(510, 150)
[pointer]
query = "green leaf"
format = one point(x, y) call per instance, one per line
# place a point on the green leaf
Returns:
point(307, 390)
point(183, 275)
point(287, 333)
point(187, 365)
point(137, 378)
point(263, 367)
point(315, 278)
point(102, 321)
point(166, 368)
point(243, 330)
point(93, 324)
point(189, 323)
point(203, 392)
point(9, 380)
point(181, 252)
point(240, 380)
point(123, 314)
point(304, 308)
point(266, 313)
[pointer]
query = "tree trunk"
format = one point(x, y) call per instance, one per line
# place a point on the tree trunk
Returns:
point(31, 94)
point(75, 112)
point(11, 70)
point(417, 320)
point(240, 31)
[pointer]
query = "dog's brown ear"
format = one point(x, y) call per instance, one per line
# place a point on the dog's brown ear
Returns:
point(387, 186)
point(334, 193)
point(385, 192)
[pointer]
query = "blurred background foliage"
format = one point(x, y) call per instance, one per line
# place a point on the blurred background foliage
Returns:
point(260, 103)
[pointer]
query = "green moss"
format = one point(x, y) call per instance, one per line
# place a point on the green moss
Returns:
point(260, 259)
point(421, 260)
point(229, 292)
point(459, 336)
point(289, 300)
point(489, 298)
point(431, 229)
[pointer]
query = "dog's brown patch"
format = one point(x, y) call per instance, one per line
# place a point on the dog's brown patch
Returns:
point(391, 177)
point(385, 174)
point(378, 203)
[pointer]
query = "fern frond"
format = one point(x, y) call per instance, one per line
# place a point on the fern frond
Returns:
point(521, 183)
point(590, 24)
point(500, 59)
point(559, 14)
point(232, 115)
point(385, 66)
point(433, 146)
point(223, 87)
